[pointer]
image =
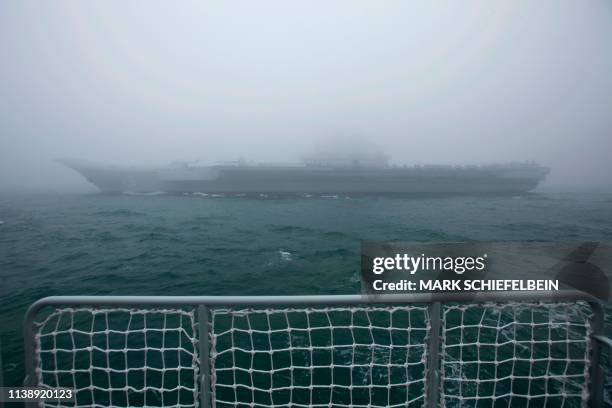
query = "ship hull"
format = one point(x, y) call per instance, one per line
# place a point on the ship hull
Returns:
point(254, 180)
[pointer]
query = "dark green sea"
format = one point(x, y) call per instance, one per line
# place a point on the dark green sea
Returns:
point(90, 244)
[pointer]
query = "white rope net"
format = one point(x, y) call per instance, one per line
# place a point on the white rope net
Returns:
point(114, 357)
point(491, 355)
point(319, 357)
point(515, 355)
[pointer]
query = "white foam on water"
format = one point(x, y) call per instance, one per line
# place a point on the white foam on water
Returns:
point(197, 193)
point(150, 193)
point(285, 255)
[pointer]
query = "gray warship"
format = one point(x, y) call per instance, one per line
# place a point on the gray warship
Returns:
point(314, 176)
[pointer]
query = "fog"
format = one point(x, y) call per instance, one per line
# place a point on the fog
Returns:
point(268, 80)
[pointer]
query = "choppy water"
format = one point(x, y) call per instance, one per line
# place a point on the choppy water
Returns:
point(194, 245)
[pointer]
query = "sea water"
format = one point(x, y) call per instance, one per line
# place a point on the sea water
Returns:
point(93, 244)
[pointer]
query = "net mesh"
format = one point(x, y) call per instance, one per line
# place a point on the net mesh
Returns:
point(523, 355)
point(120, 357)
point(491, 355)
point(358, 357)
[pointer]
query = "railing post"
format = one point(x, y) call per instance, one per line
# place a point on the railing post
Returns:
point(29, 338)
point(432, 381)
point(596, 386)
point(204, 380)
point(1, 372)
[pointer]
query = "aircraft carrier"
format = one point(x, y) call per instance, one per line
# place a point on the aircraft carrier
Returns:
point(312, 178)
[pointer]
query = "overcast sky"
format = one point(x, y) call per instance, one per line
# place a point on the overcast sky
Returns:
point(430, 82)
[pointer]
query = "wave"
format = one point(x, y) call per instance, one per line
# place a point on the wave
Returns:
point(118, 213)
point(336, 234)
point(289, 228)
point(333, 253)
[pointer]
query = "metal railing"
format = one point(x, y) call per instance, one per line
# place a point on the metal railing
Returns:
point(201, 341)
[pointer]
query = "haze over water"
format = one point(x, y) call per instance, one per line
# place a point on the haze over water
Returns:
point(470, 83)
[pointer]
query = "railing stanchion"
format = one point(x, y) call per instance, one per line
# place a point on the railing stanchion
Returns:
point(1, 368)
point(30, 349)
point(596, 385)
point(204, 381)
point(432, 384)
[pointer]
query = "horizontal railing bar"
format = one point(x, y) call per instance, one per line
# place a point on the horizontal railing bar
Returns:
point(565, 295)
